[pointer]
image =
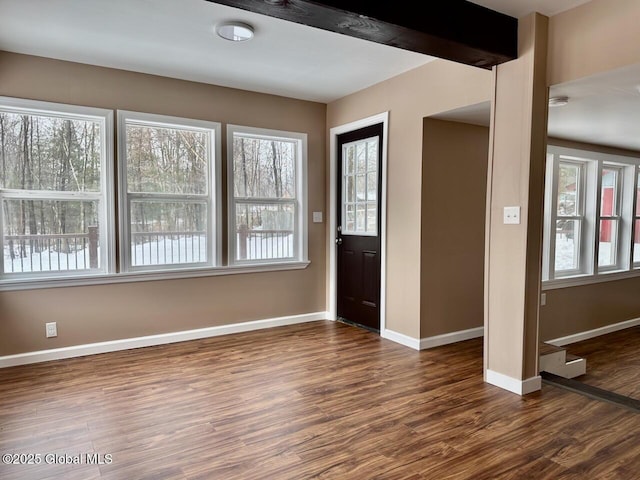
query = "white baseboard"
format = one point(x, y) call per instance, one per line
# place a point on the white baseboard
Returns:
point(453, 337)
point(151, 340)
point(578, 337)
point(435, 341)
point(521, 387)
point(401, 338)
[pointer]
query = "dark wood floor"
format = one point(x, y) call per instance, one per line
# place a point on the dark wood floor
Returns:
point(320, 400)
point(613, 361)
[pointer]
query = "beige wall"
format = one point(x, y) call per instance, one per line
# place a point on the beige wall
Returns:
point(596, 37)
point(436, 87)
point(578, 309)
point(108, 312)
point(454, 172)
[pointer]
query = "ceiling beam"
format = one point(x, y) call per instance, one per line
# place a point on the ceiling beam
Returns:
point(455, 30)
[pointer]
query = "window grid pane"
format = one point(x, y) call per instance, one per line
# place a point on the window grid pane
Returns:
point(360, 187)
point(166, 160)
point(168, 233)
point(569, 183)
point(50, 153)
point(265, 231)
point(59, 236)
point(608, 242)
point(609, 193)
point(568, 234)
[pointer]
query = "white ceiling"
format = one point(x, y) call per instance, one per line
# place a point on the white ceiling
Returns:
point(175, 38)
point(602, 109)
point(520, 8)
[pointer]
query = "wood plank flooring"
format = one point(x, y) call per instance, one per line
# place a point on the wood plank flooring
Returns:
point(321, 400)
point(613, 361)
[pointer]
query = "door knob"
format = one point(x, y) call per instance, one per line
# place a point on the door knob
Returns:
point(338, 241)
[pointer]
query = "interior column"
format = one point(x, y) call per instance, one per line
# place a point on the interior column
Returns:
point(515, 191)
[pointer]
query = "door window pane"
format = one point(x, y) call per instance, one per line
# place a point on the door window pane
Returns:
point(360, 188)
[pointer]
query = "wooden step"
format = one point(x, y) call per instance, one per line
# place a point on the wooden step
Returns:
point(552, 357)
point(547, 349)
point(558, 361)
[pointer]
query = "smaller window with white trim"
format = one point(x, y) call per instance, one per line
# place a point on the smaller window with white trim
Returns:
point(168, 185)
point(591, 214)
point(267, 195)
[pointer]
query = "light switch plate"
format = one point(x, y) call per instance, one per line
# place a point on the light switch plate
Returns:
point(317, 217)
point(511, 215)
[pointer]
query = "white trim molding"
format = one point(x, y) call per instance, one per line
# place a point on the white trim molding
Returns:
point(453, 337)
point(152, 340)
point(432, 342)
point(578, 337)
point(332, 301)
point(401, 338)
point(520, 387)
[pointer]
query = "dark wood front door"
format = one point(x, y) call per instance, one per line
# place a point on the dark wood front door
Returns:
point(359, 218)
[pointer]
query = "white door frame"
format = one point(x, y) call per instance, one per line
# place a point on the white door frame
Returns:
point(333, 219)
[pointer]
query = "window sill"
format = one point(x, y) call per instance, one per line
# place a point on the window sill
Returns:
point(588, 279)
point(105, 279)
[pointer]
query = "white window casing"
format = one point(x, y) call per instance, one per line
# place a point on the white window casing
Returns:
point(54, 252)
point(154, 246)
point(266, 226)
point(603, 218)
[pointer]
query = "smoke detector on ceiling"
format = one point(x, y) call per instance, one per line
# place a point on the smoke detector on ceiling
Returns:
point(235, 31)
point(558, 101)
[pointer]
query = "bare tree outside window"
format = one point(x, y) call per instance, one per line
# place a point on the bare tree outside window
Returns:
point(264, 196)
point(50, 181)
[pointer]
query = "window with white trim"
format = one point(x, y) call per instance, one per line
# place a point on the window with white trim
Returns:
point(55, 190)
point(360, 187)
point(267, 202)
point(168, 208)
point(591, 215)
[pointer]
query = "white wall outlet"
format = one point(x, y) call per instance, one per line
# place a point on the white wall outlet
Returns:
point(543, 299)
point(317, 217)
point(511, 215)
point(51, 329)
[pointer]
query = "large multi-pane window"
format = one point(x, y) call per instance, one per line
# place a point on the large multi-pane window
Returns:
point(60, 190)
point(591, 214)
point(167, 201)
point(55, 170)
point(266, 200)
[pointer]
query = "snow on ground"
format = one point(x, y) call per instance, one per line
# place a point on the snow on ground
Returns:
point(566, 250)
point(183, 249)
